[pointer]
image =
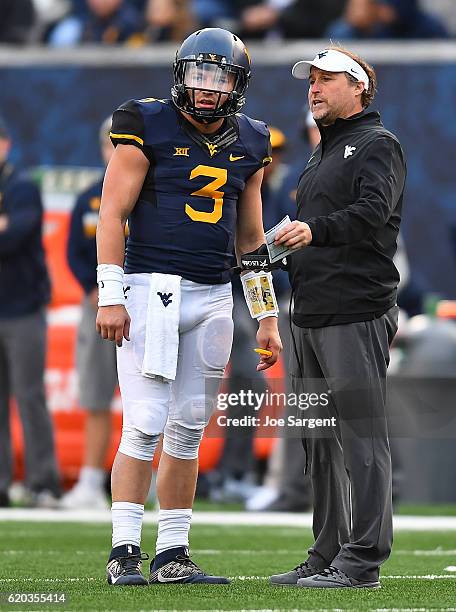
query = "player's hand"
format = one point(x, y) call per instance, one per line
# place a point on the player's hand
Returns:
point(268, 338)
point(113, 323)
point(295, 235)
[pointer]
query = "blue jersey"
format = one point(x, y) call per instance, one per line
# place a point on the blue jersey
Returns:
point(81, 247)
point(184, 221)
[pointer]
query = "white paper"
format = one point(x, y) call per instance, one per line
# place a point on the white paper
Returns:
point(277, 252)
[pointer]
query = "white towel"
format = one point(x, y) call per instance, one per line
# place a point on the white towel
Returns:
point(162, 327)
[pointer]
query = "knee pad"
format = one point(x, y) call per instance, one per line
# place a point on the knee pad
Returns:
point(136, 444)
point(215, 345)
point(180, 441)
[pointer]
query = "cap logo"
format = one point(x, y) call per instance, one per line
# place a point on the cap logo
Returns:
point(322, 54)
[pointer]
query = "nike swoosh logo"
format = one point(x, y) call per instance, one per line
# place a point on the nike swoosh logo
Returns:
point(114, 580)
point(161, 578)
point(234, 158)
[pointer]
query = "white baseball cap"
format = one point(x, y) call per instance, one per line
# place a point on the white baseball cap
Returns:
point(331, 61)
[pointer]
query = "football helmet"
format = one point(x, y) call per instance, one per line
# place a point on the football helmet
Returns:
point(211, 60)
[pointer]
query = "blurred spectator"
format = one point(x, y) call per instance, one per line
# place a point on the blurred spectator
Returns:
point(285, 487)
point(25, 291)
point(234, 479)
point(105, 21)
point(95, 358)
point(289, 18)
point(215, 13)
point(113, 21)
point(386, 19)
point(17, 18)
point(168, 20)
point(410, 293)
point(48, 13)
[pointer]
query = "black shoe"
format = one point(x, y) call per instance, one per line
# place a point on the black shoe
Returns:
point(304, 570)
point(4, 499)
point(124, 566)
point(334, 578)
point(175, 566)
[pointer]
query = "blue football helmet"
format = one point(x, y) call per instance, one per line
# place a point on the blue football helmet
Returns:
point(213, 60)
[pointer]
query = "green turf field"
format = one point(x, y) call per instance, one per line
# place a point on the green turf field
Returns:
point(70, 558)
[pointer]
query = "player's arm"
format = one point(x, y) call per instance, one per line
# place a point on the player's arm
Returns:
point(249, 236)
point(123, 182)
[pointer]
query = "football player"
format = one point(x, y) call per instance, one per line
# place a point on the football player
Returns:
point(187, 174)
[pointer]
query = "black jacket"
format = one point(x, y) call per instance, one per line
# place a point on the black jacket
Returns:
point(350, 194)
point(24, 281)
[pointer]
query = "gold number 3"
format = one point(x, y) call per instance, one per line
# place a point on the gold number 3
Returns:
point(209, 191)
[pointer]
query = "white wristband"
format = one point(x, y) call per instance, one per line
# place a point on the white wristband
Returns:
point(259, 295)
point(110, 285)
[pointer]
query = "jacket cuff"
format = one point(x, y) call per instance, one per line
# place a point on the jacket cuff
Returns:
point(316, 234)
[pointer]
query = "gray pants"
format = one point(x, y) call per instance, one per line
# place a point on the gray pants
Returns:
point(350, 464)
point(22, 359)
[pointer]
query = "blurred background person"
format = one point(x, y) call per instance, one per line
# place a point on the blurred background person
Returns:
point(17, 19)
point(101, 21)
point(25, 291)
point(386, 19)
point(169, 20)
point(235, 476)
point(215, 13)
point(288, 18)
point(95, 359)
point(285, 488)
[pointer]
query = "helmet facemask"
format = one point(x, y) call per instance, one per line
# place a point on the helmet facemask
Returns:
point(224, 83)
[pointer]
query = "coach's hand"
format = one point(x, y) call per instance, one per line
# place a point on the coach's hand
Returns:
point(113, 323)
point(268, 338)
point(295, 235)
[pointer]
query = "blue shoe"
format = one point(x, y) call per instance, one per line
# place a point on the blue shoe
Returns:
point(124, 566)
point(175, 566)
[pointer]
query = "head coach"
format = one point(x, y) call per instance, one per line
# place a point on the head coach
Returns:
point(344, 282)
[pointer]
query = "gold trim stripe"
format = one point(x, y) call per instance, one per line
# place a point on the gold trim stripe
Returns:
point(128, 137)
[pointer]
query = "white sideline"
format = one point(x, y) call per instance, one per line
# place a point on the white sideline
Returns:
point(258, 519)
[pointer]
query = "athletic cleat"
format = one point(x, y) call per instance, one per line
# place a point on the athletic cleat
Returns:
point(125, 569)
point(180, 569)
point(303, 570)
point(333, 578)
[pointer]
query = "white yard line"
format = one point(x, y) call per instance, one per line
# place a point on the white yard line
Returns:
point(437, 552)
point(4, 581)
point(258, 519)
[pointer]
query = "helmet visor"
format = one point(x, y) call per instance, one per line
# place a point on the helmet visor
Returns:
point(209, 77)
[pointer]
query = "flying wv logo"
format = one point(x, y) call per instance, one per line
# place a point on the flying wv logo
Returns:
point(165, 298)
point(348, 151)
point(212, 148)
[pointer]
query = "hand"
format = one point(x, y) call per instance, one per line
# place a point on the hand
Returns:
point(295, 235)
point(113, 323)
point(268, 338)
